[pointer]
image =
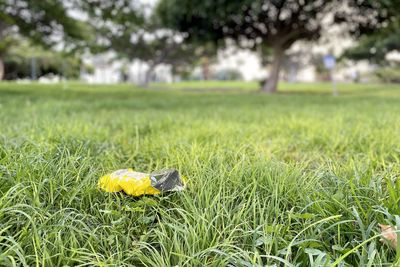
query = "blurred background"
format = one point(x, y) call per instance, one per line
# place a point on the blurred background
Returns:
point(150, 42)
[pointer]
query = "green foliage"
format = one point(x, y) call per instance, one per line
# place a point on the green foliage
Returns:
point(388, 75)
point(5, 44)
point(299, 178)
point(256, 21)
point(113, 22)
point(375, 45)
point(122, 27)
point(268, 23)
point(265, 25)
point(18, 62)
point(43, 22)
point(19, 66)
point(374, 48)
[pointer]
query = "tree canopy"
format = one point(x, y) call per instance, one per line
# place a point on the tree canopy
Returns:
point(133, 31)
point(44, 23)
point(113, 21)
point(276, 24)
point(375, 45)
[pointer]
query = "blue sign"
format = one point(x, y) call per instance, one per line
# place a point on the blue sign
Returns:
point(329, 62)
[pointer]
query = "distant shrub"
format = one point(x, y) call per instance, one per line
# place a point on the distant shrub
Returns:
point(18, 62)
point(262, 82)
point(388, 75)
point(19, 66)
point(228, 75)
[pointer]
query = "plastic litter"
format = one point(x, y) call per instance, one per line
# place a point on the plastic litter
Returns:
point(138, 183)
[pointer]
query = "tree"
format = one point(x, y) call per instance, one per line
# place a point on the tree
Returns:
point(155, 47)
point(374, 46)
point(275, 24)
point(124, 28)
point(113, 22)
point(42, 22)
point(19, 59)
point(207, 57)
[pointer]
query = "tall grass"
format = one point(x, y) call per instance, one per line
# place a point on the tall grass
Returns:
point(296, 179)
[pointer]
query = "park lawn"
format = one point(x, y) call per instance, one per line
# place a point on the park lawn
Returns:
point(299, 178)
point(284, 87)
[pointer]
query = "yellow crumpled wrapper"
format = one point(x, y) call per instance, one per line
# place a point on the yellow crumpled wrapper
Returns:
point(131, 182)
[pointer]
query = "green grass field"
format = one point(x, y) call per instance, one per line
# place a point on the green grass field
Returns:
point(299, 178)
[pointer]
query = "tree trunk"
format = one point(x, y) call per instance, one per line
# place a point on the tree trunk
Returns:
point(206, 68)
point(1, 69)
point(147, 76)
point(271, 85)
point(2, 34)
